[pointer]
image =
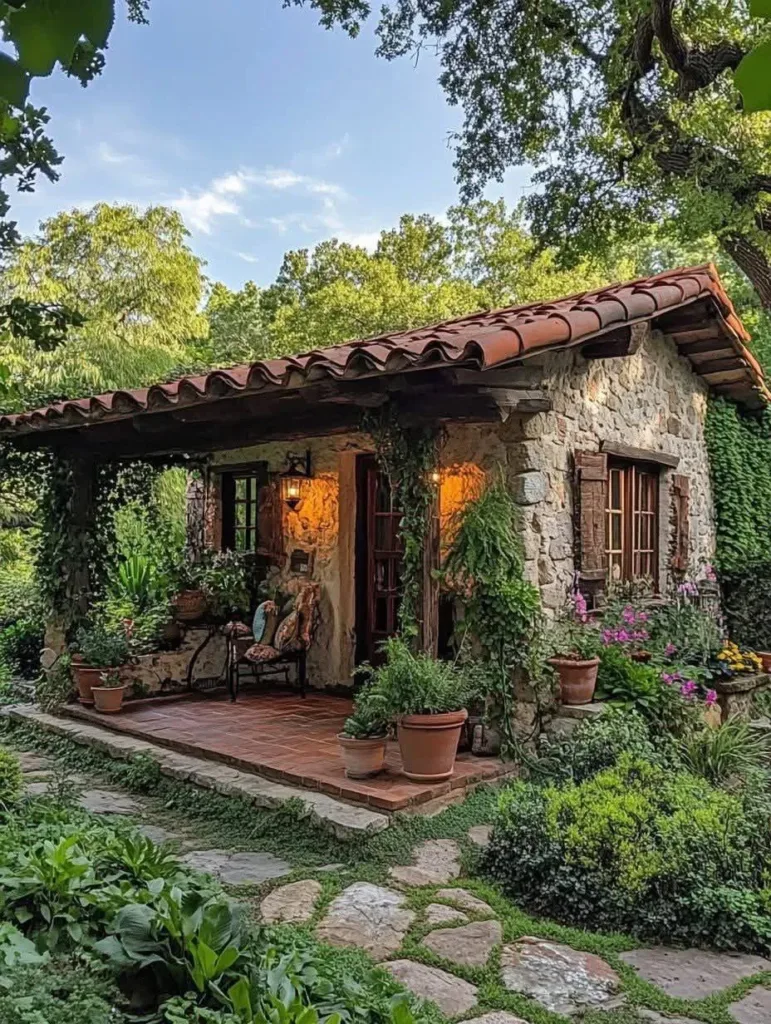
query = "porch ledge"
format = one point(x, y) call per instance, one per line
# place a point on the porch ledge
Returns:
point(345, 821)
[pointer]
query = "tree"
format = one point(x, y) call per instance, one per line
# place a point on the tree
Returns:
point(237, 329)
point(628, 110)
point(137, 287)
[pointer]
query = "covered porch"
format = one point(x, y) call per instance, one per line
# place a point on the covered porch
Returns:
point(289, 739)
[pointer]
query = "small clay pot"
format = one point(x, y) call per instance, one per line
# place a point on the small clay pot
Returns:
point(363, 758)
point(765, 658)
point(429, 743)
point(108, 699)
point(86, 678)
point(190, 605)
point(577, 679)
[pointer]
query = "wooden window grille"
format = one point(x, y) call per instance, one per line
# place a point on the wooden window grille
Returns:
point(632, 521)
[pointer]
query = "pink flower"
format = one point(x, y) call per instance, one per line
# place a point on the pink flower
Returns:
point(667, 678)
point(669, 650)
point(709, 573)
point(711, 697)
point(579, 604)
point(688, 688)
point(628, 615)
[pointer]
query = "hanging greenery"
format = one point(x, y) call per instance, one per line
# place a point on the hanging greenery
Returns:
point(502, 629)
point(408, 456)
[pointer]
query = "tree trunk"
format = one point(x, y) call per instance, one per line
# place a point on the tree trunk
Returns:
point(754, 262)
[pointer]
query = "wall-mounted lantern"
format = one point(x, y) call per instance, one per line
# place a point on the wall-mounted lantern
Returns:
point(298, 469)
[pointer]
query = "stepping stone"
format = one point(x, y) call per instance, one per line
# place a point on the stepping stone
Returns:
point(560, 978)
point(480, 836)
point(469, 945)
point(463, 898)
point(107, 801)
point(452, 995)
point(291, 903)
point(437, 913)
point(436, 861)
point(755, 1008)
point(496, 1017)
point(237, 868)
point(157, 834)
point(37, 789)
point(367, 916)
point(31, 762)
point(693, 973)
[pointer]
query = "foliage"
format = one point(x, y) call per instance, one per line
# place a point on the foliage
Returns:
point(54, 685)
point(737, 661)
point(752, 77)
point(665, 699)
point(733, 750)
point(680, 629)
point(572, 636)
point(11, 780)
point(414, 684)
point(367, 720)
point(100, 648)
point(66, 991)
point(20, 647)
point(223, 577)
point(747, 603)
point(740, 464)
point(484, 568)
point(407, 455)
point(238, 332)
point(651, 851)
point(630, 114)
point(596, 745)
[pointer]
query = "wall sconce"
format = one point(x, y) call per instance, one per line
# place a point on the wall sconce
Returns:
point(434, 477)
point(298, 469)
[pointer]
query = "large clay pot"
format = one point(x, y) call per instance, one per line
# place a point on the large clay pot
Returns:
point(429, 743)
point(363, 758)
point(108, 699)
point(190, 605)
point(765, 658)
point(85, 679)
point(578, 679)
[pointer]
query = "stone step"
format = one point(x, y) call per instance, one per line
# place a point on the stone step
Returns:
point(345, 821)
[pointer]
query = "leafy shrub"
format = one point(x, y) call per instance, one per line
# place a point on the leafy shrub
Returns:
point(637, 848)
point(65, 992)
point(639, 687)
point(102, 648)
point(596, 745)
point(20, 647)
point(11, 778)
point(54, 686)
point(747, 598)
point(732, 750)
point(415, 684)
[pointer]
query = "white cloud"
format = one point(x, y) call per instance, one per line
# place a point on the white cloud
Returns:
point(247, 257)
point(366, 239)
point(108, 155)
point(236, 183)
point(200, 211)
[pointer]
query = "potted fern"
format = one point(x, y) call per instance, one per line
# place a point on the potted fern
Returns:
point(363, 739)
point(427, 699)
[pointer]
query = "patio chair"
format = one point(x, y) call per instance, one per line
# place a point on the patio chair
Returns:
point(287, 646)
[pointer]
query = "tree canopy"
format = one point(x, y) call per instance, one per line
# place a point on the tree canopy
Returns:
point(627, 108)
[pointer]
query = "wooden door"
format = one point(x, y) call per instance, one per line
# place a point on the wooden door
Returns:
point(378, 561)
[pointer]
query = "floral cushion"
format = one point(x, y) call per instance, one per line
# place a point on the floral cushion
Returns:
point(238, 629)
point(261, 652)
point(286, 634)
point(264, 623)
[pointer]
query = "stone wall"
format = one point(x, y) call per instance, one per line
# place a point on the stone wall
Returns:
point(649, 400)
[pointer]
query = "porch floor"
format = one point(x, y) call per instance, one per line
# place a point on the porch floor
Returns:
point(282, 736)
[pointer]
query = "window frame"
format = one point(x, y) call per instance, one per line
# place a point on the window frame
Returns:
point(637, 503)
point(256, 477)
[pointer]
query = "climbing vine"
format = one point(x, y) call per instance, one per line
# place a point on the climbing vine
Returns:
point(408, 456)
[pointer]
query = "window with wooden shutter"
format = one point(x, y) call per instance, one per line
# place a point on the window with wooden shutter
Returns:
point(680, 490)
point(632, 520)
point(592, 485)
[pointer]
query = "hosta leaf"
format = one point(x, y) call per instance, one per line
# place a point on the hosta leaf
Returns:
point(760, 8)
point(753, 78)
point(14, 81)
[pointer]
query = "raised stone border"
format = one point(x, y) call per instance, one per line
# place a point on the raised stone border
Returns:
point(344, 820)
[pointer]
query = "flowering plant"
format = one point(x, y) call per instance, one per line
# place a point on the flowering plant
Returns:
point(573, 636)
point(734, 661)
point(690, 688)
point(631, 631)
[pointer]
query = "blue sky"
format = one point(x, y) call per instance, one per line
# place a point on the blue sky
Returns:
point(267, 133)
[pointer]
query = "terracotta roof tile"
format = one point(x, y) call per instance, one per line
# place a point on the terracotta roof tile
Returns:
point(482, 339)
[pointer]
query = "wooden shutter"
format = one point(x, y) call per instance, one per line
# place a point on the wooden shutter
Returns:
point(681, 525)
point(270, 519)
point(591, 492)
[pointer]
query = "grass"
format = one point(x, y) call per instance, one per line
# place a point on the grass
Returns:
point(227, 822)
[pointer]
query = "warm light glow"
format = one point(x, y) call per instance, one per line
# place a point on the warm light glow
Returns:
point(436, 477)
point(291, 490)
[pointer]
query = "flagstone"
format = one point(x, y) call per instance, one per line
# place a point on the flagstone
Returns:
point(369, 917)
point(452, 995)
point(293, 903)
point(693, 973)
point(436, 861)
point(469, 945)
point(562, 979)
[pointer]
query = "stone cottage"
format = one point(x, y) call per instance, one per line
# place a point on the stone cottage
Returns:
point(594, 406)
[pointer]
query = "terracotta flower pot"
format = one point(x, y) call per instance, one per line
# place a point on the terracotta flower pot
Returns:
point(429, 743)
point(765, 657)
point(578, 679)
point(108, 699)
point(363, 758)
point(190, 605)
point(85, 679)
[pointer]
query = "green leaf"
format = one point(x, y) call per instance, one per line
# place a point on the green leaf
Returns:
point(239, 995)
point(14, 81)
point(753, 78)
point(760, 8)
point(96, 20)
point(44, 31)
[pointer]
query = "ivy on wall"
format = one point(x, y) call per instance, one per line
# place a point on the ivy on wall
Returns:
point(408, 456)
point(739, 446)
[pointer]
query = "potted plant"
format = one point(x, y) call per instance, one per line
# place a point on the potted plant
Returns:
point(96, 649)
point(108, 696)
point(223, 578)
point(189, 602)
point(576, 645)
point(427, 699)
point(363, 739)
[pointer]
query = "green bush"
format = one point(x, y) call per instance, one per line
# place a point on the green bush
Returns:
point(639, 687)
point(642, 849)
point(596, 745)
point(20, 647)
point(747, 598)
point(414, 684)
point(55, 686)
point(11, 778)
point(64, 992)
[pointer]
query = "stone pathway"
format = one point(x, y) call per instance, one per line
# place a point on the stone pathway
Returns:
point(469, 945)
point(693, 973)
point(237, 868)
point(291, 904)
point(452, 995)
point(755, 1008)
point(436, 861)
point(463, 898)
point(368, 916)
point(562, 979)
point(438, 913)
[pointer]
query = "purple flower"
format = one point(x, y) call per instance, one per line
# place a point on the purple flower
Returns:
point(628, 615)
point(579, 604)
point(709, 573)
point(688, 688)
point(688, 589)
point(667, 678)
point(669, 650)
point(711, 697)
